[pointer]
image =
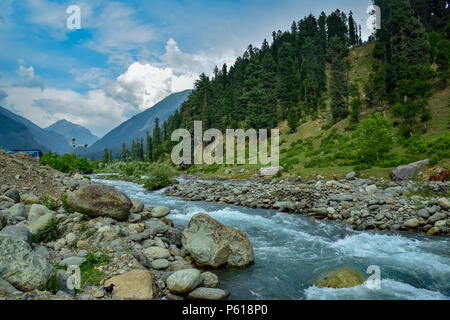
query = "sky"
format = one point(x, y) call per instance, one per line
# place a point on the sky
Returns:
point(128, 55)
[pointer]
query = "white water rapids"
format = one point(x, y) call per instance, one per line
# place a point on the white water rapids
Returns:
point(291, 250)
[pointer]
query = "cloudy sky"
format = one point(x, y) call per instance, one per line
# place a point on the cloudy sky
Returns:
point(128, 55)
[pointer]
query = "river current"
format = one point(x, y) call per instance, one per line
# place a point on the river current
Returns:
point(291, 250)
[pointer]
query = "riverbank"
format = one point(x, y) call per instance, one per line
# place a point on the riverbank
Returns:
point(364, 204)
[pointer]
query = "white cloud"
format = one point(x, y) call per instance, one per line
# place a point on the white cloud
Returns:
point(93, 110)
point(29, 79)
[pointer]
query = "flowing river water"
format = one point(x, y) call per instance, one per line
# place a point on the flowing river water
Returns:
point(291, 250)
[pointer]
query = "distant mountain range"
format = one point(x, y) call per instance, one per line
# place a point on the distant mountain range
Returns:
point(15, 135)
point(137, 126)
point(17, 132)
point(71, 131)
point(45, 140)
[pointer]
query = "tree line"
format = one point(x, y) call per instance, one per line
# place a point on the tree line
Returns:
point(286, 79)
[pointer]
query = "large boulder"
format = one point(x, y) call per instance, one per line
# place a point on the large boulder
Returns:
point(18, 232)
point(406, 172)
point(184, 281)
point(213, 244)
point(134, 285)
point(97, 200)
point(21, 266)
point(343, 277)
point(270, 171)
point(18, 210)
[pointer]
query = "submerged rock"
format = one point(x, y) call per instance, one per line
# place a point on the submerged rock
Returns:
point(213, 244)
point(343, 277)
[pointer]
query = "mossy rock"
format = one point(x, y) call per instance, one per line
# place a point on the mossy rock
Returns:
point(344, 277)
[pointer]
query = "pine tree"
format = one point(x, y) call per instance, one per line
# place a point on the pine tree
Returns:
point(409, 65)
point(105, 159)
point(352, 30)
point(339, 86)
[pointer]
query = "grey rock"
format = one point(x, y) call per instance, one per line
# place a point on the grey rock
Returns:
point(160, 264)
point(72, 261)
point(17, 232)
point(7, 289)
point(160, 212)
point(287, 206)
point(208, 294)
point(423, 213)
point(13, 194)
point(156, 225)
point(213, 244)
point(143, 259)
point(148, 233)
point(184, 281)
point(210, 280)
point(406, 172)
point(436, 217)
point(21, 267)
point(350, 176)
point(41, 223)
point(138, 206)
point(97, 200)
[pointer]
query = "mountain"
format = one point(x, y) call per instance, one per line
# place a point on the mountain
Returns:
point(50, 141)
point(70, 130)
point(14, 135)
point(137, 126)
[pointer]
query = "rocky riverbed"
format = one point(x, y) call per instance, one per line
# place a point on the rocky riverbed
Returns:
point(364, 204)
point(110, 240)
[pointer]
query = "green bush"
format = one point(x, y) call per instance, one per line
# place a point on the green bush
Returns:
point(64, 204)
point(68, 163)
point(160, 177)
point(49, 202)
point(50, 233)
point(374, 138)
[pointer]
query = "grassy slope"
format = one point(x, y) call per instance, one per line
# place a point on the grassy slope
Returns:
point(311, 133)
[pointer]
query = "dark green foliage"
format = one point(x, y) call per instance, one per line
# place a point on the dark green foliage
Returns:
point(160, 176)
point(339, 86)
point(89, 274)
point(375, 138)
point(68, 163)
point(406, 65)
point(68, 209)
point(50, 233)
point(49, 202)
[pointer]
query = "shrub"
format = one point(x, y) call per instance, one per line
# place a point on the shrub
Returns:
point(374, 138)
point(67, 163)
point(50, 233)
point(64, 204)
point(49, 202)
point(160, 177)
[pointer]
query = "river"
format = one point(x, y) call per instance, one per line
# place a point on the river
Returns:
point(291, 250)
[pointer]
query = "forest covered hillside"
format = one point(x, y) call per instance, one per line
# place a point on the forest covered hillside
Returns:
point(341, 104)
